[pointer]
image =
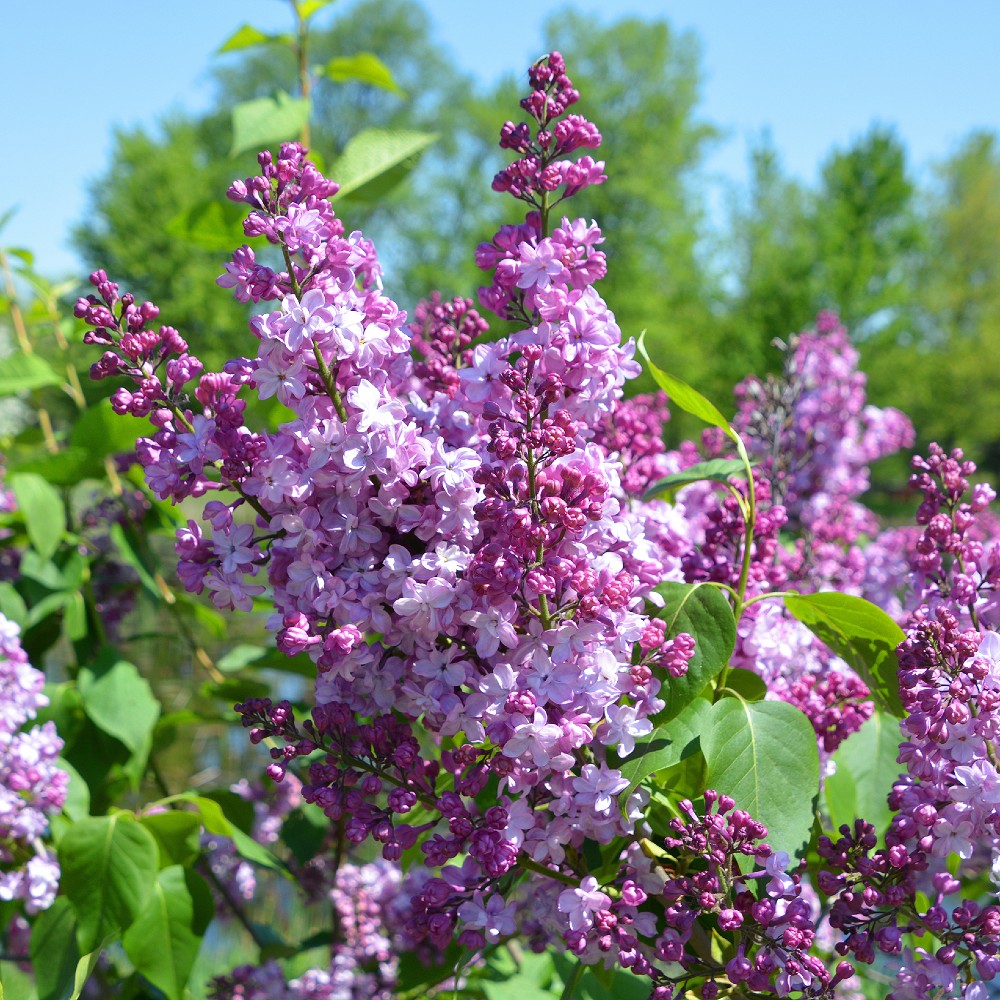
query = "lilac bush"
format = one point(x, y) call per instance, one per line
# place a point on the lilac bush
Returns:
point(567, 680)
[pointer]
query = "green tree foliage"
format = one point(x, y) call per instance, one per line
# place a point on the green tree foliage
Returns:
point(867, 234)
point(159, 220)
point(773, 257)
point(134, 226)
point(939, 373)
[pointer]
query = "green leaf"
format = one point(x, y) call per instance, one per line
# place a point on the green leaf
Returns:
point(77, 803)
point(683, 396)
point(85, 967)
point(748, 685)
point(365, 67)
point(109, 865)
point(66, 468)
point(24, 372)
point(48, 605)
point(309, 7)
point(177, 836)
point(598, 983)
point(702, 611)
point(375, 151)
point(125, 543)
point(268, 120)
point(54, 953)
point(164, 940)
point(413, 973)
point(861, 634)
point(240, 656)
point(42, 570)
point(75, 617)
point(209, 225)
point(304, 832)
point(102, 432)
point(246, 37)
point(530, 982)
point(119, 701)
point(42, 508)
point(717, 470)
point(15, 984)
point(215, 822)
point(866, 769)
point(764, 755)
point(665, 746)
point(12, 605)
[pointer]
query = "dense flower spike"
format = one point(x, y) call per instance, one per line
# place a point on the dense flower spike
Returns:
point(32, 788)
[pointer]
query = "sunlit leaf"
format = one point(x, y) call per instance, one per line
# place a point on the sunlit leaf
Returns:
point(683, 396)
point(373, 152)
point(364, 67)
point(265, 121)
point(861, 634)
point(764, 755)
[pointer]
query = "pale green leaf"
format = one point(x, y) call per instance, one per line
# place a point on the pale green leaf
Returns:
point(373, 152)
point(266, 121)
point(683, 396)
point(764, 755)
point(364, 67)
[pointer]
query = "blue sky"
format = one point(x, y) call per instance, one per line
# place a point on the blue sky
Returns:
point(816, 75)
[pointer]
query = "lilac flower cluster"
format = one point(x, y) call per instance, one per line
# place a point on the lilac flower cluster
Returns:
point(725, 862)
point(32, 787)
point(364, 953)
point(451, 551)
point(946, 804)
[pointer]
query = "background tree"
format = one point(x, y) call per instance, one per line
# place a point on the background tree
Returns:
point(940, 371)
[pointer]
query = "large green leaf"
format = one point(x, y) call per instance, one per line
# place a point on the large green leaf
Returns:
point(373, 152)
point(109, 866)
point(666, 746)
point(177, 836)
point(118, 700)
point(717, 470)
point(54, 954)
point(683, 396)
point(77, 803)
point(866, 769)
point(764, 755)
point(164, 940)
point(43, 511)
point(861, 634)
point(268, 120)
point(365, 67)
point(24, 372)
point(702, 611)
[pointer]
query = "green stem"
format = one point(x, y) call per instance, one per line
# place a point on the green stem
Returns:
point(574, 980)
point(525, 861)
point(544, 212)
point(768, 596)
point(331, 386)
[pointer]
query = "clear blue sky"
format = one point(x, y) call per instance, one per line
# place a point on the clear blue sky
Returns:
point(815, 74)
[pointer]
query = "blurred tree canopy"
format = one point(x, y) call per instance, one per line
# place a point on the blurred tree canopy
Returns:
point(914, 271)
